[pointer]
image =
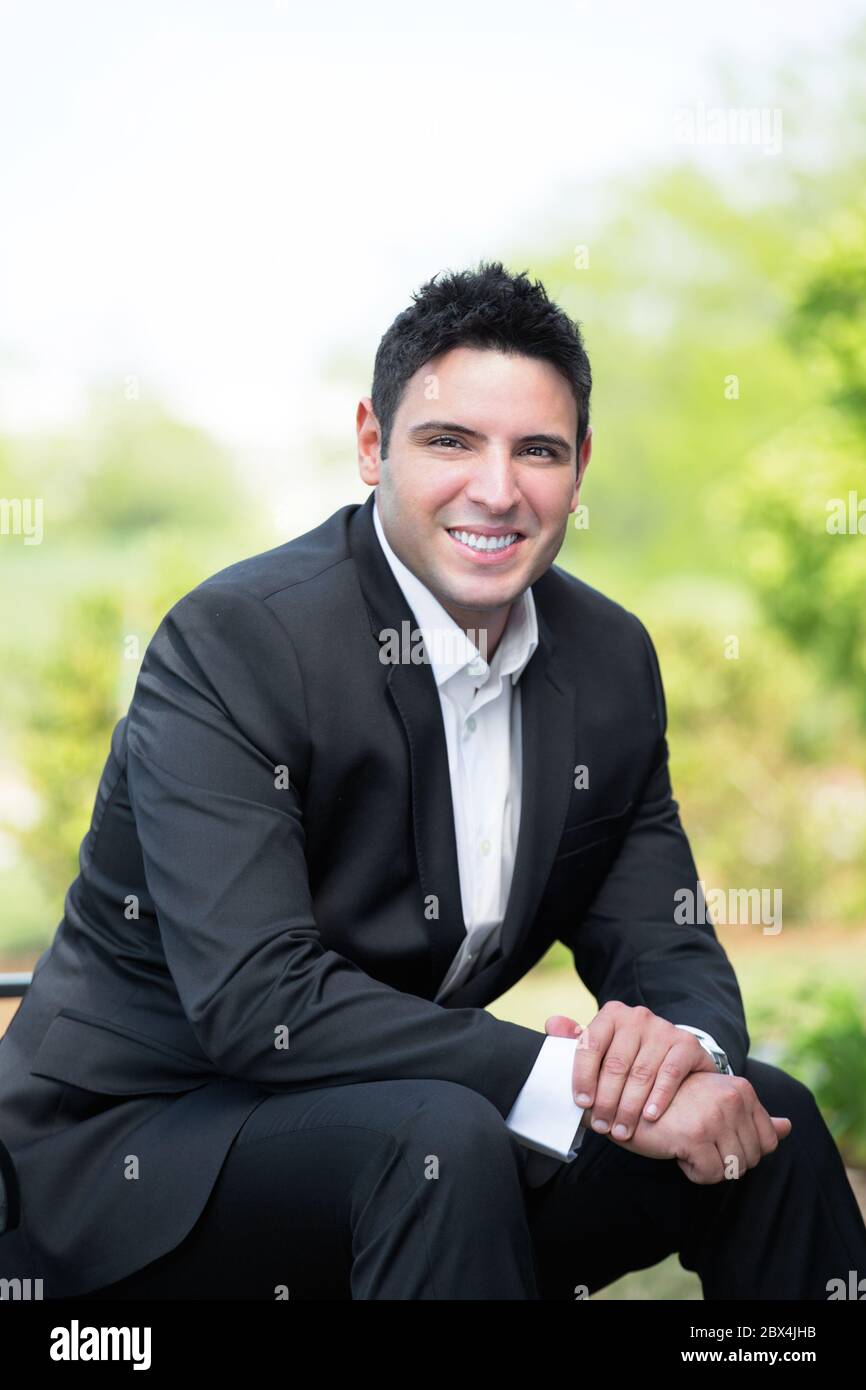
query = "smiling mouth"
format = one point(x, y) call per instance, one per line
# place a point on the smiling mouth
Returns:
point(485, 548)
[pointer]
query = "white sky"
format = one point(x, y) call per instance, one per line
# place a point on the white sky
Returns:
point(217, 196)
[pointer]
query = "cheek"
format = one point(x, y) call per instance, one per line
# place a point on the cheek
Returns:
point(549, 496)
point(438, 500)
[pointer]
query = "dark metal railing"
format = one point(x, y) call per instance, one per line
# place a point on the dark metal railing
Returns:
point(15, 984)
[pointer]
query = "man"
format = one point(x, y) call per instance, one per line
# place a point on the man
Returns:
point(365, 781)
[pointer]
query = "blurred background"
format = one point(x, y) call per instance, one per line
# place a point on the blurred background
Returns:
point(210, 214)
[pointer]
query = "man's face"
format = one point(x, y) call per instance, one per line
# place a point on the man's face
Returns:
point(483, 443)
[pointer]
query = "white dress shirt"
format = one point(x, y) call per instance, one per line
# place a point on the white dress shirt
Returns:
point(481, 711)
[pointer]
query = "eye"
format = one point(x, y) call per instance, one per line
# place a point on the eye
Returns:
point(441, 439)
point(448, 439)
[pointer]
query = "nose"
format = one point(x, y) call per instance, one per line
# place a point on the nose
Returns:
point(494, 482)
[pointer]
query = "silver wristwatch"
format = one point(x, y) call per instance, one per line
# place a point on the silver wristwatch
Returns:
point(720, 1058)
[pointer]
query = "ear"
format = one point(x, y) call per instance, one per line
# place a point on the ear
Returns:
point(369, 442)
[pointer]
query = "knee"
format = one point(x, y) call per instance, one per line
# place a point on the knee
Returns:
point(454, 1120)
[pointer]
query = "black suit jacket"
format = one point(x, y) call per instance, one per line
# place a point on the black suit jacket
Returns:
point(272, 825)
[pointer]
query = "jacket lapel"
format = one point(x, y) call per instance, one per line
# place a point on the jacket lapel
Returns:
point(412, 689)
point(547, 714)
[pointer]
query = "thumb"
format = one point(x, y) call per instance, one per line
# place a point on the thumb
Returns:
point(561, 1026)
point(782, 1125)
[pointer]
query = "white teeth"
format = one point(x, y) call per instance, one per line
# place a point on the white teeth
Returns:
point(485, 542)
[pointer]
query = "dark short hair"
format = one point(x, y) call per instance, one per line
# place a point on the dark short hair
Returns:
point(486, 308)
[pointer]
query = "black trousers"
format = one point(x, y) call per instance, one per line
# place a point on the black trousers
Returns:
point(416, 1190)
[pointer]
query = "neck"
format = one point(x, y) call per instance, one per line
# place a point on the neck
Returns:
point(482, 627)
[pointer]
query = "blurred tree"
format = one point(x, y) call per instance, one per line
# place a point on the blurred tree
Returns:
point(141, 508)
point(828, 325)
point(802, 502)
point(769, 771)
point(79, 691)
point(827, 1053)
point(65, 739)
point(137, 468)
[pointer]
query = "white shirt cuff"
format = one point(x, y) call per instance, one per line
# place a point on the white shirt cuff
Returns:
point(544, 1116)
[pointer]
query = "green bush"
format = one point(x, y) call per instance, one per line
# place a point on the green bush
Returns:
point(827, 1052)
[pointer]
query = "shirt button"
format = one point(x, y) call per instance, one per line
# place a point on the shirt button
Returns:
point(471, 724)
point(485, 846)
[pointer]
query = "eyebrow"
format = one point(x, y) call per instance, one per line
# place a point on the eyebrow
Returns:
point(555, 441)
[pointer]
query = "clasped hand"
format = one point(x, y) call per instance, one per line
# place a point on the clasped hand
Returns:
point(654, 1090)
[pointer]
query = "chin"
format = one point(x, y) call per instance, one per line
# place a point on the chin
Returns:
point(480, 598)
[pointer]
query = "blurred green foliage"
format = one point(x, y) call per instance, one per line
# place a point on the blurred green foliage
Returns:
point(80, 690)
point(826, 1051)
point(139, 509)
point(65, 737)
point(769, 767)
point(725, 325)
point(807, 569)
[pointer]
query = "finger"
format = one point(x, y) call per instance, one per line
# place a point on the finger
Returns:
point(639, 1083)
point(561, 1026)
point(615, 1069)
point(703, 1164)
point(770, 1128)
point(592, 1044)
point(767, 1135)
point(731, 1152)
point(678, 1063)
point(743, 1116)
point(750, 1139)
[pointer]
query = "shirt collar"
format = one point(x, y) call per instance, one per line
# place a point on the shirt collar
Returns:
point(448, 647)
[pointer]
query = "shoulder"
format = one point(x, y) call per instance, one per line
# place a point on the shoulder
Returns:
point(285, 566)
point(592, 630)
point(568, 601)
point(259, 586)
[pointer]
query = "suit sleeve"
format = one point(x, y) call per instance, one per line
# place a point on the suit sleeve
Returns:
point(218, 748)
point(629, 946)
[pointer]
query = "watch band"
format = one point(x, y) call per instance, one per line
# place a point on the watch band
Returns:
point(720, 1058)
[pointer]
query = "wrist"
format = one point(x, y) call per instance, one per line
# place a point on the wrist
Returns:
point(705, 1062)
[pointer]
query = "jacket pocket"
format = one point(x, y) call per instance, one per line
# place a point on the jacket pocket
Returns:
point(111, 1060)
point(577, 838)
